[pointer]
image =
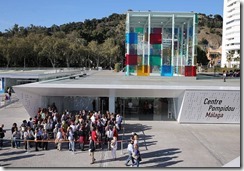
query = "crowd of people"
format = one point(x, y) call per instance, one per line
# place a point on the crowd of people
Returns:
point(96, 130)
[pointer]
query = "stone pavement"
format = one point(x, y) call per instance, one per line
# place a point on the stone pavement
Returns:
point(162, 144)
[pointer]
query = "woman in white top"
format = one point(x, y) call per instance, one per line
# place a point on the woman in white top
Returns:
point(37, 138)
point(26, 138)
point(136, 138)
point(71, 139)
point(58, 139)
point(114, 147)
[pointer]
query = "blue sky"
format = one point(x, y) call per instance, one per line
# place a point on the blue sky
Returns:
point(49, 12)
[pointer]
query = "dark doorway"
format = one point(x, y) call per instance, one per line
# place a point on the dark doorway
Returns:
point(103, 104)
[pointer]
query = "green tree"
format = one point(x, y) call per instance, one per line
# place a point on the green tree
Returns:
point(48, 50)
point(95, 52)
point(35, 41)
point(61, 50)
point(201, 56)
point(109, 51)
point(7, 49)
point(23, 51)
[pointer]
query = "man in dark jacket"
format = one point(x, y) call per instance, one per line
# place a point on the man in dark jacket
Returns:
point(2, 135)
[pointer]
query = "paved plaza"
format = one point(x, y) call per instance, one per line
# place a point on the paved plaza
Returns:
point(162, 144)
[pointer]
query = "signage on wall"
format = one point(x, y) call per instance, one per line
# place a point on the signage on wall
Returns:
point(215, 109)
point(210, 107)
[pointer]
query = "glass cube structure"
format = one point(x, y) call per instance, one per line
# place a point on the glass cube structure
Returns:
point(160, 43)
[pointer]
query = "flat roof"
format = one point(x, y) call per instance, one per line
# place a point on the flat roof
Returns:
point(110, 83)
point(159, 19)
point(36, 73)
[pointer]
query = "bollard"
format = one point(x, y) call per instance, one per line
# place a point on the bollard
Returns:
point(121, 147)
point(11, 142)
point(28, 147)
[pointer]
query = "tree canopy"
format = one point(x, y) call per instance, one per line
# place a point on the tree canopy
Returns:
point(92, 43)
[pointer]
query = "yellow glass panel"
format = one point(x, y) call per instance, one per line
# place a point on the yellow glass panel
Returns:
point(143, 70)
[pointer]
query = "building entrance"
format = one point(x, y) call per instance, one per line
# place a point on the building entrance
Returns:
point(142, 108)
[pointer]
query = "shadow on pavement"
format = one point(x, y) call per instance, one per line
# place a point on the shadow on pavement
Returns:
point(129, 128)
point(162, 158)
point(20, 157)
point(12, 153)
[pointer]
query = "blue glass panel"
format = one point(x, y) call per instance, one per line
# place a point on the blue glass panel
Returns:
point(131, 38)
point(167, 70)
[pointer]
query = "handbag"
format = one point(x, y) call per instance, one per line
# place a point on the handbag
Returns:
point(135, 156)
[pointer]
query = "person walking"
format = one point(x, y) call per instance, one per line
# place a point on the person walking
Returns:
point(114, 147)
point(91, 149)
point(9, 93)
point(136, 156)
point(130, 149)
point(224, 76)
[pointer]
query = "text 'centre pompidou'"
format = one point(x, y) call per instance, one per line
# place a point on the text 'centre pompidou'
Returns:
point(160, 43)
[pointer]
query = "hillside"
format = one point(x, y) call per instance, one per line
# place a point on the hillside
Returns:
point(214, 40)
point(210, 30)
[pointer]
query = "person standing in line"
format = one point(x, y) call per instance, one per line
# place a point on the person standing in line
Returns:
point(115, 132)
point(92, 149)
point(94, 135)
point(17, 135)
point(13, 135)
point(119, 121)
point(45, 138)
point(55, 131)
point(23, 128)
point(130, 149)
point(2, 135)
point(81, 139)
point(59, 139)
point(37, 139)
point(114, 147)
point(224, 76)
point(71, 139)
point(26, 138)
point(110, 136)
point(30, 136)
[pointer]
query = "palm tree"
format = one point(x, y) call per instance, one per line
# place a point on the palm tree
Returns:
point(229, 55)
